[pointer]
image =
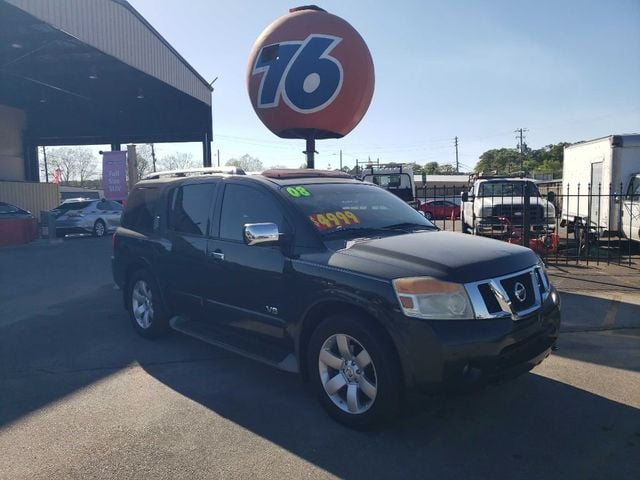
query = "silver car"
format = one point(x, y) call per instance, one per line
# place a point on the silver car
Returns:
point(82, 215)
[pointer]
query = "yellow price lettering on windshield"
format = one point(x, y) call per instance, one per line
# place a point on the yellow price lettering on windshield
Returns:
point(297, 192)
point(330, 220)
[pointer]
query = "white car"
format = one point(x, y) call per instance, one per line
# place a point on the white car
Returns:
point(82, 215)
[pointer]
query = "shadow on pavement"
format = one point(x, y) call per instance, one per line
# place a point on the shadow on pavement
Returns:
point(533, 427)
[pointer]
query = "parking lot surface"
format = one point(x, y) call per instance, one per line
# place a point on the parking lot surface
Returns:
point(82, 396)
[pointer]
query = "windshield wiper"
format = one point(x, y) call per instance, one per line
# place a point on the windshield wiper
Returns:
point(358, 230)
point(410, 226)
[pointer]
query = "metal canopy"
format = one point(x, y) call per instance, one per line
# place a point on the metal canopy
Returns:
point(75, 94)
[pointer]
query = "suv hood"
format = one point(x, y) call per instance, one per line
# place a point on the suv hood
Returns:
point(449, 256)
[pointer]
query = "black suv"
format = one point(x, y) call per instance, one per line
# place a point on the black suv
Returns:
point(318, 273)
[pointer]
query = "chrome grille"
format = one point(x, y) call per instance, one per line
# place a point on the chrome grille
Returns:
point(503, 296)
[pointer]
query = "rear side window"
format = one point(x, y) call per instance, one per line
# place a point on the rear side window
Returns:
point(140, 210)
point(189, 208)
point(242, 205)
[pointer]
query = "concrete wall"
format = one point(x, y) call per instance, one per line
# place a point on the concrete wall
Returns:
point(12, 124)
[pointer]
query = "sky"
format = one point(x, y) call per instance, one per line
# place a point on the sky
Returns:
point(567, 70)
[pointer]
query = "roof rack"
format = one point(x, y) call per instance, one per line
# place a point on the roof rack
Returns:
point(386, 168)
point(491, 175)
point(304, 173)
point(186, 172)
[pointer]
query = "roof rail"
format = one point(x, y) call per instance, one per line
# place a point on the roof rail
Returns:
point(303, 173)
point(186, 172)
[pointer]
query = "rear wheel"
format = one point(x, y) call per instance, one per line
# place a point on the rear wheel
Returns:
point(354, 371)
point(99, 228)
point(465, 228)
point(146, 309)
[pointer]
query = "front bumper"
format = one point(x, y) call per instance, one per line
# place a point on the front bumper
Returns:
point(494, 227)
point(439, 355)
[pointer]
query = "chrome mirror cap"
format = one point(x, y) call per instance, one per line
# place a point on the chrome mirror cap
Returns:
point(259, 233)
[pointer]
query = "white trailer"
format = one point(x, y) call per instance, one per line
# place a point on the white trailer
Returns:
point(601, 186)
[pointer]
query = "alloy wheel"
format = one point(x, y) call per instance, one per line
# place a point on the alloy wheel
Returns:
point(348, 374)
point(142, 304)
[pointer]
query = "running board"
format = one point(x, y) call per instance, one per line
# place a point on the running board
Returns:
point(235, 343)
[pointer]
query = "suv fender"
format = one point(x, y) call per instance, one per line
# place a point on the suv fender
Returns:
point(326, 307)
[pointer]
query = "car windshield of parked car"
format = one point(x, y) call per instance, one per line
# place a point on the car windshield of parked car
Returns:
point(74, 205)
point(6, 209)
point(506, 189)
point(345, 207)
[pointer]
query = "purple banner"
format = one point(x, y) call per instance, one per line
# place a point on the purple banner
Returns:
point(114, 175)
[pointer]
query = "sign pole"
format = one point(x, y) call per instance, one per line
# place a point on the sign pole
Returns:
point(309, 152)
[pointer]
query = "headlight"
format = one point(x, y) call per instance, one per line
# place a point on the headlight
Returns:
point(426, 297)
point(550, 213)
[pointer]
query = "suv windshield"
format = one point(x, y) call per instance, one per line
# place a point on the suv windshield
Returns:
point(508, 188)
point(344, 207)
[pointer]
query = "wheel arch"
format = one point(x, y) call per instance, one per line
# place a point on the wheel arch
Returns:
point(322, 310)
point(132, 268)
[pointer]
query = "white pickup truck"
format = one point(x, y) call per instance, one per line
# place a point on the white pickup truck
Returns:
point(495, 205)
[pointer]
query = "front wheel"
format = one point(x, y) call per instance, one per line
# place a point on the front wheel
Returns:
point(354, 372)
point(428, 215)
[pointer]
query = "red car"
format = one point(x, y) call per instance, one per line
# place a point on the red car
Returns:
point(440, 209)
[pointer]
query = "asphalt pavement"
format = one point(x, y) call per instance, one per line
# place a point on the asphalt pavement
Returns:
point(82, 396)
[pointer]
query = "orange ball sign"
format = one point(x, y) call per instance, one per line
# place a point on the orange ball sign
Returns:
point(310, 75)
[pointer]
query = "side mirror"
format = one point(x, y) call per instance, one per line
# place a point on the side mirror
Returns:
point(465, 197)
point(261, 233)
point(551, 197)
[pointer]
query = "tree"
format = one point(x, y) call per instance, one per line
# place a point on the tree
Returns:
point(507, 160)
point(144, 160)
point(247, 163)
point(430, 168)
point(446, 169)
point(76, 164)
point(177, 161)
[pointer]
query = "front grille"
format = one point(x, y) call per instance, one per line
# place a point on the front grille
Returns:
point(515, 212)
point(517, 295)
point(513, 284)
point(489, 298)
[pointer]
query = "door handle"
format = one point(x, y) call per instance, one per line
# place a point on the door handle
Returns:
point(217, 255)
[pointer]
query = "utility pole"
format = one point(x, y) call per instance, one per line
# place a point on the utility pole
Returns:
point(520, 138)
point(46, 167)
point(457, 163)
point(218, 155)
point(340, 159)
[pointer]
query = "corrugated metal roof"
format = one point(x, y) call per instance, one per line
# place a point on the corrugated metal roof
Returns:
point(117, 29)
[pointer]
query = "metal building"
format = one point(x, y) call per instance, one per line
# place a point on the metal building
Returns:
point(82, 72)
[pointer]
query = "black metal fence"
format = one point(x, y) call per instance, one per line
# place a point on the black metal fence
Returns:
point(563, 223)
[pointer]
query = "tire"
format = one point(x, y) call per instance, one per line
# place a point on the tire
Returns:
point(354, 372)
point(465, 228)
point(428, 215)
point(146, 309)
point(99, 229)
